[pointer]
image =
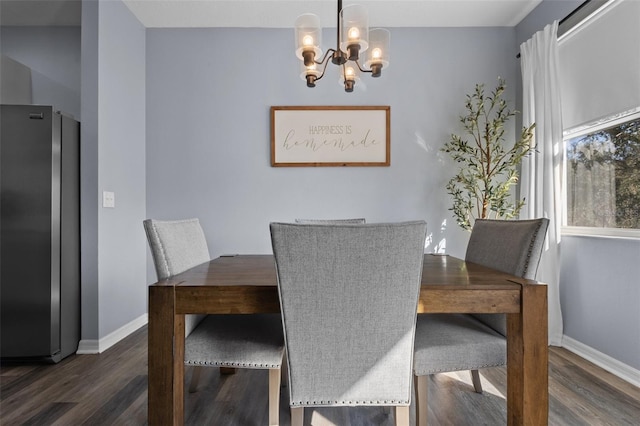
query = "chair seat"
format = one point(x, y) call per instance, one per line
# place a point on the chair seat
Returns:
point(454, 342)
point(243, 341)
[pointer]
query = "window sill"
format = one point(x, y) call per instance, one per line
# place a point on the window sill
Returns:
point(600, 232)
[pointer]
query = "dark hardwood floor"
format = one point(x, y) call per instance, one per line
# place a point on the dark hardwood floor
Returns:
point(111, 389)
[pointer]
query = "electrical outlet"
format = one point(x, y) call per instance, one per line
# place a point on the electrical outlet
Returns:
point(108, 199)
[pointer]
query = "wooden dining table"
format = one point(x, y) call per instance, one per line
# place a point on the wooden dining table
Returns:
point(244, 284)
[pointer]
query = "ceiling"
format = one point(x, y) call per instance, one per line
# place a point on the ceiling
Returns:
point(278, 14)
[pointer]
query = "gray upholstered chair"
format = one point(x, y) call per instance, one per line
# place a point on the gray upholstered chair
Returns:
point(236, 341)
point(349, 294)
point(331, 221)
point(455, 342)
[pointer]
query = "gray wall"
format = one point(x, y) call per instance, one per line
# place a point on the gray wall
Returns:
point(121, 167)
point(53, 55)
point(113, 159)
point(208, 130)
point(599, 291)
point(89, 172)
point(600, 295)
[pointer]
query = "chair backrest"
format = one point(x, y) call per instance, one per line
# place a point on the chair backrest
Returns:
point(330, 221)
point(349, 295)
point(511, 246)
point(176, 245)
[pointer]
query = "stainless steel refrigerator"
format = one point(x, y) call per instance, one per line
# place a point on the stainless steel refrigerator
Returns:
point(39, 233)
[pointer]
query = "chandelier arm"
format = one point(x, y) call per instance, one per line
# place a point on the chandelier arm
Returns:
point(325, 61)
point(324, 58)
point(362, 69)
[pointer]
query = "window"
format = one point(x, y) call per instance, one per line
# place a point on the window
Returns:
point(603, 174)
point(599, 67)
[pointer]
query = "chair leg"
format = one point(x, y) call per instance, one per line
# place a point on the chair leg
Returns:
point(195, 378)
point(285, 372)
point(297, 416)
point(421, 385)
point(274, 396)
point(402, 415)
point(225, 371)
point(475, 378)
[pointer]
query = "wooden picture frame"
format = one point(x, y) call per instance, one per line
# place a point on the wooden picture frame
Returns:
point(330, 136)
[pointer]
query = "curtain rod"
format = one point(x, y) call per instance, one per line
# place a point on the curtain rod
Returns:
point(577, 15)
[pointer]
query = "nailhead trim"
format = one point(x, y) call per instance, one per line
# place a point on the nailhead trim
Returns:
point(232, 364)
point(533, 240)
point(348, 403)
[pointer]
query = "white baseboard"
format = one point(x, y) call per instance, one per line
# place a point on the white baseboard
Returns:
point(98, 346)
point(87, 347)
point(613, 366)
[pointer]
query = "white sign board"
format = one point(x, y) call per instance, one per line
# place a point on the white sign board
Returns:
point(330, 136)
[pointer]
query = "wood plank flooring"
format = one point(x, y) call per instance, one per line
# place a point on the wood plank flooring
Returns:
point(111, 389)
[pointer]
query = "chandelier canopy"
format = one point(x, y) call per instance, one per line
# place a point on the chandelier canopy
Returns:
point(354, 41)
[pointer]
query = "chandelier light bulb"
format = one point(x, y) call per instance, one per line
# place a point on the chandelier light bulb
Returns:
point(354, 34)
point(350, 73)
point(307, 41)
point(376, 53)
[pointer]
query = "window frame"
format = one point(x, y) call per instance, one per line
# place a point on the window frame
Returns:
point(582, 130)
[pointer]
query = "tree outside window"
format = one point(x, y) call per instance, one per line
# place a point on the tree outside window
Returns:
point(603, 177)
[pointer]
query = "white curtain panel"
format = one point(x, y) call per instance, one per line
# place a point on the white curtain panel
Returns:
point(541, 175)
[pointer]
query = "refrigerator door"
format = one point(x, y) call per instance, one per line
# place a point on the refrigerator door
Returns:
point(69, 236)
point(30, 151)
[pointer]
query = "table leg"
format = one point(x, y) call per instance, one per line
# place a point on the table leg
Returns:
point(527, 360)
point(166, 369)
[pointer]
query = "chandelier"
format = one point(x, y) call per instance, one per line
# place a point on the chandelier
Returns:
point(353, 41)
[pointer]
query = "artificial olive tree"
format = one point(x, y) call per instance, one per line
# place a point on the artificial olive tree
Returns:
point(488, 165)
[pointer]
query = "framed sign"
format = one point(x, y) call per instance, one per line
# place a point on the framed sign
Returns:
point(310, 136)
